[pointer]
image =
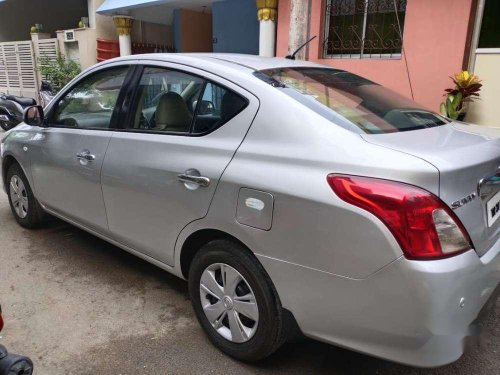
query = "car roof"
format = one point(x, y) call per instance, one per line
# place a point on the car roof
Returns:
point(240, 62)
point(235, 68)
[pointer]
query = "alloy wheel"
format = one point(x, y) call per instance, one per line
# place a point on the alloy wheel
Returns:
point(229, 302)
point(19, 196)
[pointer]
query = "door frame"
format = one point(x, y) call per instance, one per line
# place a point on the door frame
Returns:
point(476, 33)
point(128, 108)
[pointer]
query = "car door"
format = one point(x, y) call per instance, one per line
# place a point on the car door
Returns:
point(161, 172)
point(67, 155)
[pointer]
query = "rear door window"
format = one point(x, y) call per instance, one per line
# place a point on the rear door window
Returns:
point(166, 100)
point(175, 102)
point(217, 106)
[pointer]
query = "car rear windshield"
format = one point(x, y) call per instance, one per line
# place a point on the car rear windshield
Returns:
point(371, 107)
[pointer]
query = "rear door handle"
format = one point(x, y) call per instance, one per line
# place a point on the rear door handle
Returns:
point(192, 176)
point(85, 155)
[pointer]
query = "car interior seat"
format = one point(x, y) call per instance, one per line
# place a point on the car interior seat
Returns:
point(172, 113)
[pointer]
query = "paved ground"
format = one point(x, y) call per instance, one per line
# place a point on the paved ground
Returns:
point(77, 305)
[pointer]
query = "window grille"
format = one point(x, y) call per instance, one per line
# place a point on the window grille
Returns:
point(363, 28)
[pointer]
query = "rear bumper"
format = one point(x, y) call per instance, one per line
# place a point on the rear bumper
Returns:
point(413, 312)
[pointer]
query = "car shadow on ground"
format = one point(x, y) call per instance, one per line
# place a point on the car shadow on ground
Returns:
point(74, 252)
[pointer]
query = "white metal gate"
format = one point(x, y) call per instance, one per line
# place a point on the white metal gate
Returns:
point(18, 69)
point(47, 48)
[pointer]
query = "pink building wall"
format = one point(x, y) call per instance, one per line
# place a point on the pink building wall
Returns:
point(435, 37)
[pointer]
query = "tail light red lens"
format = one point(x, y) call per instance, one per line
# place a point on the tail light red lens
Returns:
point(423, 225)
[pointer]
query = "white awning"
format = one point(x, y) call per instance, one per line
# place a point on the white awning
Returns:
point(110, 7)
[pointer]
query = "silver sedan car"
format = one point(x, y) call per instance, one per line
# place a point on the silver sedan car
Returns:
point(294, 198)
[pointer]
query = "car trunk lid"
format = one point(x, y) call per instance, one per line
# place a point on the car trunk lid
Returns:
point(468, 160)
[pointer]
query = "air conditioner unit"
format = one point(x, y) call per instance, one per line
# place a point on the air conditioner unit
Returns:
point(69, 36)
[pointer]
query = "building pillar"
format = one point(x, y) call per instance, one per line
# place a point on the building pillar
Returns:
point(124, 27)
point(267, 13)
point(299, 27)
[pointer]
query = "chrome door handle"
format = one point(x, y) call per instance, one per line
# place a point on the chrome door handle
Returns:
point(86, 155)
point(189, 177)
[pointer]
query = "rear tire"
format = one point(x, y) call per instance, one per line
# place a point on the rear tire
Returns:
point(25, 208)
point(246, 317)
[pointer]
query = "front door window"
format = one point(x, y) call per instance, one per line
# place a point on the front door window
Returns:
point(91, 102)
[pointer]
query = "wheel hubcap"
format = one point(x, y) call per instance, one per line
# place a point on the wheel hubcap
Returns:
point(229, 303)
point(19, 196)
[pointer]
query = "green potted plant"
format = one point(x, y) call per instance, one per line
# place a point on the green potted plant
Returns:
point(83, 23)
point(467, 88)
point(58, 71)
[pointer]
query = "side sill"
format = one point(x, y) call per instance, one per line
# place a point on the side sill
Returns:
point(143, 256)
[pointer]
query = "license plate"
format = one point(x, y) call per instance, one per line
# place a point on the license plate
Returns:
point(493, 209)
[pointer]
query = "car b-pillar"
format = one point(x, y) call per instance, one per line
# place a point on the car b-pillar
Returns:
point(124, 27)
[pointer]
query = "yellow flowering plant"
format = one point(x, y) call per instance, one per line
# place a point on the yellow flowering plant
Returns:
point(464, 79)
point(467, 87)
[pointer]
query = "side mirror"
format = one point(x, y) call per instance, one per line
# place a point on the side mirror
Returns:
point(34, 116)
point(206, 108)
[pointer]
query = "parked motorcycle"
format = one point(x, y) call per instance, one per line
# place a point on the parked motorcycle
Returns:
point(47, 93)
point(12, 110)
point(10, 363)
point(12, 107)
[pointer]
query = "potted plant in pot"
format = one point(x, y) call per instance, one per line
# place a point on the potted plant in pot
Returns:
point(467, 87)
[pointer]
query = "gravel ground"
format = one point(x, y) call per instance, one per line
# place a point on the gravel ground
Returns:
point(78, 305)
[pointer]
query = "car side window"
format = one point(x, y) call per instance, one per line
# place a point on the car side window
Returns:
point(91, 102)
point(166, 100)
point(218, 105)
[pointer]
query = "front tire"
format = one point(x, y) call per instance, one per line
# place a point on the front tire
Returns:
point(235, 301)
point(25, 208)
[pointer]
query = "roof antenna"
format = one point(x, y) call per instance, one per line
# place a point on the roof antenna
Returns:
point(292, 56)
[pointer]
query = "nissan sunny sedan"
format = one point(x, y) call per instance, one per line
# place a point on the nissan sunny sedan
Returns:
point(291, 196)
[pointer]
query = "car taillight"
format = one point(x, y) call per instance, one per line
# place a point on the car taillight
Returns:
point(423, 225)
